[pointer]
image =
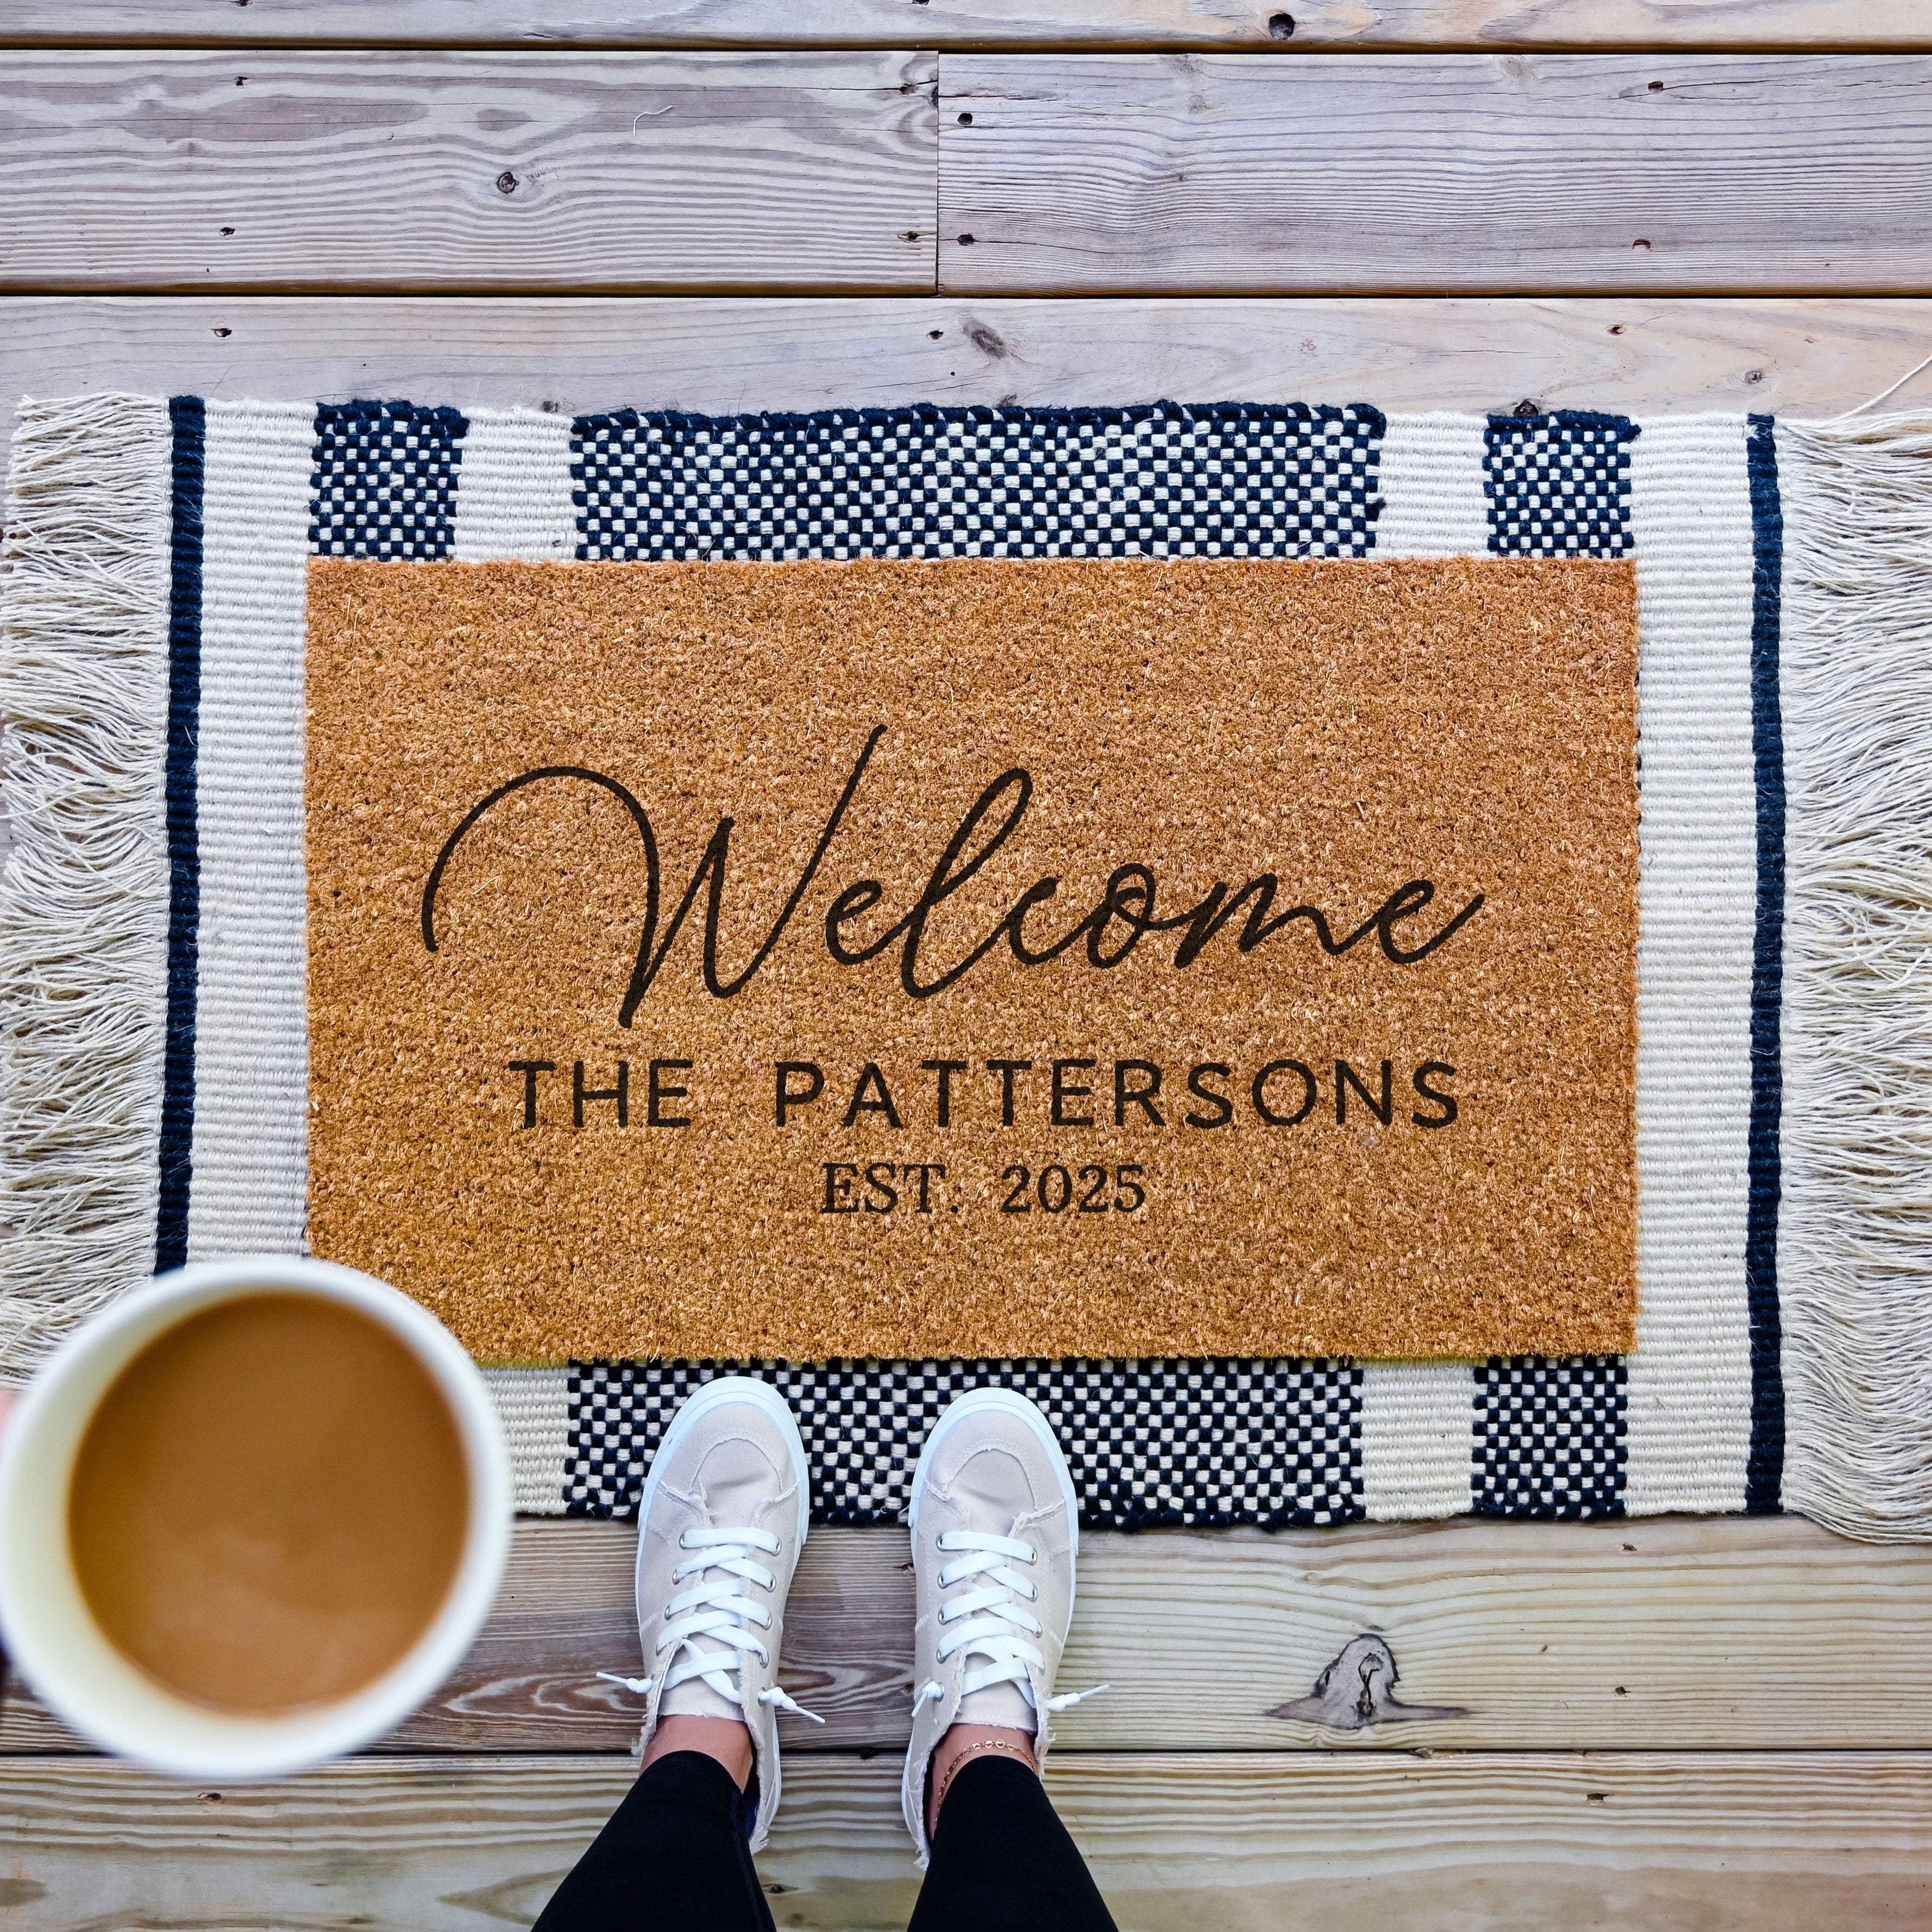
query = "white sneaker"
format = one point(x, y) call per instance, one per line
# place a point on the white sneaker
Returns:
point(995, 1531)
point(720, 1526)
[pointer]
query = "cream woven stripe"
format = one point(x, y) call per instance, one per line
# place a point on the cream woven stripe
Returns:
point(1432, 488)
point(535, 1406)
point(513, 489)
point(1690, 1377)
point(1417, 1438)
point(250, 1146)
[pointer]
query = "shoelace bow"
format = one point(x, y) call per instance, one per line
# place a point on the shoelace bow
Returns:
point(996, 1622)
point(720, 1611)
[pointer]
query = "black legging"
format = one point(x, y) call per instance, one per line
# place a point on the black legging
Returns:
point(674, 1857)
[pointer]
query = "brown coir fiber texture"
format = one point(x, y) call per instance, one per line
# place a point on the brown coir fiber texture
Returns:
point(1345, 729)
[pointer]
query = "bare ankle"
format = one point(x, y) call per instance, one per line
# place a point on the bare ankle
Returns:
point(959, 1747)
point(724, 1738)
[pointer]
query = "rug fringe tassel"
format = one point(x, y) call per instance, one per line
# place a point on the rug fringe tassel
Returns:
point(1855, 1230)
point(84, 582)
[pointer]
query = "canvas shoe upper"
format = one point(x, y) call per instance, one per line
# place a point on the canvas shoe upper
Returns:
point(720, 1526)
point(995, 1531)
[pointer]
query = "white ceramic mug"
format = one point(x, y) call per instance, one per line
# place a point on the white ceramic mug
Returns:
point(52, 1636)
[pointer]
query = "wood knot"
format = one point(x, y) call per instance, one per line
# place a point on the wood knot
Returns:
point(1357, 1690)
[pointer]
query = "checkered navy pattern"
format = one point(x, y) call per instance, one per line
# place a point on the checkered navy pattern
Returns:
point(1551, 1438)
point(385, 481)
point(1149, 1443)
point(1217, 480)
point(1558, 485)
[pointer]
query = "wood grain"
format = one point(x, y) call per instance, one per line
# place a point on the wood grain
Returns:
point(1723, 1634)
point(986, 23)
point(434, 170)
point(1645, 356)
point(1415, 172)
point(1361, 173)
point(1383, 1843)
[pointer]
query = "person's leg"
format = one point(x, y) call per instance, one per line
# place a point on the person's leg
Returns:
point(720, 1526)
point(1001, 1857)
point(995, 1532)
point(674, 1857)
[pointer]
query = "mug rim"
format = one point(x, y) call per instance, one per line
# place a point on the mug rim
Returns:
point(206, 1741)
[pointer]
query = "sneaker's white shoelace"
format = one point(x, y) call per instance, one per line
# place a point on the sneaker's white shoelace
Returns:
point(720, 1611)
point(993, 1621)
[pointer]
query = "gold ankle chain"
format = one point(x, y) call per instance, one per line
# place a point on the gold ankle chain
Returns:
point(1024, 1756)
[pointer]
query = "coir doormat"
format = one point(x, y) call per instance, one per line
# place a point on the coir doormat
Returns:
point(1010, 958)
point(1190, 910)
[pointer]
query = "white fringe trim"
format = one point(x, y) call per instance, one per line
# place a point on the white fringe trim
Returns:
point(1855, 1229)
point(84, 579)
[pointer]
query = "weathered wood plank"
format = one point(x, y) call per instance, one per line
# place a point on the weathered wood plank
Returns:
point(529, 1683)
point(425, 170)
point(987, 23)
point(1671, 1633)
point(1780, 1842)
point(638, 172)
point(1420, 173)
point(1804, 358)
point(1674, 1633)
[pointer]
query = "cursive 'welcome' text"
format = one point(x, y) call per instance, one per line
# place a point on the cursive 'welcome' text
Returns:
point(1108, 933)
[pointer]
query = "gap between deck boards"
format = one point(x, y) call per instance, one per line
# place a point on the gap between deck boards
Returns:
point(1090, 25)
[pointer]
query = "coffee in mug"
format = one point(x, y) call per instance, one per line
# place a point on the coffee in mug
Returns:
point(251, 1517)
point(268, 1506)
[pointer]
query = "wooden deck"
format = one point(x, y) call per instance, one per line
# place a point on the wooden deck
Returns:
point(1666, 1724)
point(717, 204)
